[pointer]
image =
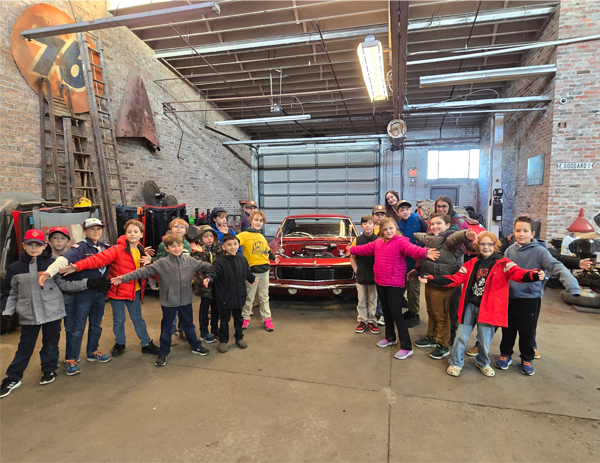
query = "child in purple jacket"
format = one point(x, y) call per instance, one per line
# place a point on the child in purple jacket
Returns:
point(390, 277)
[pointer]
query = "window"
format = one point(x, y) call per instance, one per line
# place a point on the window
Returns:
point(453, 164)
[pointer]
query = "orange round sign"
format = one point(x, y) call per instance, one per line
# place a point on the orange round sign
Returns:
point(57, 57)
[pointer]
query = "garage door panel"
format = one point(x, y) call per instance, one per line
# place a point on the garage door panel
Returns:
point(274, 201)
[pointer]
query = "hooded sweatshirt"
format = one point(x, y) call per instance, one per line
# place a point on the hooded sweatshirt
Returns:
point(536, 255)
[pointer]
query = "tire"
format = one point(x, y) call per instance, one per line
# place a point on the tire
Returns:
point(582, 301)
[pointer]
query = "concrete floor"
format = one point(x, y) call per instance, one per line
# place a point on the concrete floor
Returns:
point(313, 390)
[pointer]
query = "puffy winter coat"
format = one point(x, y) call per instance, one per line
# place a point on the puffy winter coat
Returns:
point(121, 262)
point(390, 265)
point(494, 303)
point(22, 294)
point(215, 253)
point(228, 276)
point(449, 243)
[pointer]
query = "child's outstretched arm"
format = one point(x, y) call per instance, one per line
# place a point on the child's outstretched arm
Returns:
point(450, 281)
point(364, 250)
point(213, 272)
point(456, 240)
point(138, 274)
point(515, 273)
point(556, 269)
point(99, 284)
point(102, 259)
point(408, 249)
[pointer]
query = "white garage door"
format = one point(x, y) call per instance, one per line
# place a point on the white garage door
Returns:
point(336, 178)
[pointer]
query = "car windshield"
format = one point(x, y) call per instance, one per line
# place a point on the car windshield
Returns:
point(314, 227)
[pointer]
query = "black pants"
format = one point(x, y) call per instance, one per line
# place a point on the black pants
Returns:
point(454, 303)
point(238, 321)
point(48, 352)
point(186, 319)
point(205, 304)
point(523, 315)
point(391, 304)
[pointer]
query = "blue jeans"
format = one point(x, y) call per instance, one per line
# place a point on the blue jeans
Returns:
point(186, 318)
point(177, 326)
point(48, 352)
point(88, 304)
point(485, 336)
point(135, 313)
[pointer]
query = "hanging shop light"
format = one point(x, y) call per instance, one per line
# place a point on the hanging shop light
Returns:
point(264, 120)
point(370, 55)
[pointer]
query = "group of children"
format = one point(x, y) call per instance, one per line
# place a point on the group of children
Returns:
point(496, 290)
point(50, 283)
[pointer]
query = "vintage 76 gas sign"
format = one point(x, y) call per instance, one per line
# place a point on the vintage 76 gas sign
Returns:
point(57, 58)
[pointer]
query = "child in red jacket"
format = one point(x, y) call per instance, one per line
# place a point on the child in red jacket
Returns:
point(484, 299)
point(390, 277)
point(123, 258)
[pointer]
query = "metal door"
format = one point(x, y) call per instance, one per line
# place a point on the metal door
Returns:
point(328, 178)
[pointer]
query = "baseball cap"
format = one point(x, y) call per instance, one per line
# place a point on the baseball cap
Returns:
point(62, 230)
point(378, 208)
point(404, 202)
point(92, 222)
point(34, 236)
point(251, 204)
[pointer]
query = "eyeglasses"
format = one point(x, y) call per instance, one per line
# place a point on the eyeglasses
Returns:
point(486, 245)
point(178, 226)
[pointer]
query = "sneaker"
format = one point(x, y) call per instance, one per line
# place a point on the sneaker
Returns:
point(150, 348)
point(385, 343)
point(453, 370)
point(223, 347)
point(503, 362)
point(268, 323)
point(413, 321)
point(373, 328)
point(48, 377)
point(536, 354)
point(174, 340)
point(402, 354)
point(7, 386)
point(161, 361)
point(440, 352)
point(241, 344)
point(473, 351)
point(362, 326)
point(209, 338)
point(117, 350)
point(527, 368)
point(246, 323)
point(71, 367)
point(486, 370)
point(426, 342)
point(201, 351)
point(381, 321)
point(98, 357)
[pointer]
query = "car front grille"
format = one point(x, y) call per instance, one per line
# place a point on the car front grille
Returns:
point(314, 273)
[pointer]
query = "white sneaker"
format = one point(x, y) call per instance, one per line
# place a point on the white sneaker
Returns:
point(381, 321)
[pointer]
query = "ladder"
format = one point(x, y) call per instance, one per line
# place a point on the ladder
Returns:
point(105, 141)
point(67, 165)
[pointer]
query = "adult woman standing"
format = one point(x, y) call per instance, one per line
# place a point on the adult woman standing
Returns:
point(391, 203)
point(444, 205)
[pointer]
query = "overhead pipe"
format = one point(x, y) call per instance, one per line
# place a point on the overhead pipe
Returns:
point(484, 102)
point(493, 75)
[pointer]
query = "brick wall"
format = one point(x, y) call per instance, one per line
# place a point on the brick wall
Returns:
point(577, 80)
point(416, 156)
point(526, 135)
point(207, 174)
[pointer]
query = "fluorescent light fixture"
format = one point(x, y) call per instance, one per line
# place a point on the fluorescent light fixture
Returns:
point(491, 75)
point(370, 55)
point(264, 120)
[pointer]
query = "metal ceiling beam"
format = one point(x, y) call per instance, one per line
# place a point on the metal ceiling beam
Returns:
point(148, 18)
point(309, 37)
point(501, 51)
point(304, 140)
point(483, 17)
point(493, 75)
point(486, 102)
point(399, 40)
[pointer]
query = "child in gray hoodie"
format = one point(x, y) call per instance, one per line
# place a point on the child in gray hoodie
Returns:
point(525, 300)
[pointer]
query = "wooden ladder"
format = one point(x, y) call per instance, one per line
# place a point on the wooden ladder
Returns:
point(67, 165)
point(105, 141)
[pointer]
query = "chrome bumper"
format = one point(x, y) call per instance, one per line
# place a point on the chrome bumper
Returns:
point(313, 288)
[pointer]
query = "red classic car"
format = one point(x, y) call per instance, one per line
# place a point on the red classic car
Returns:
point(312, 255)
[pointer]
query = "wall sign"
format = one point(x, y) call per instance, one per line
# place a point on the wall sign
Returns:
point(535, 170)
point(574, 165)
point(57, 58)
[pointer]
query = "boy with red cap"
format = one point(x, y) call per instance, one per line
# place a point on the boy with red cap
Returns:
point(38, 308)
